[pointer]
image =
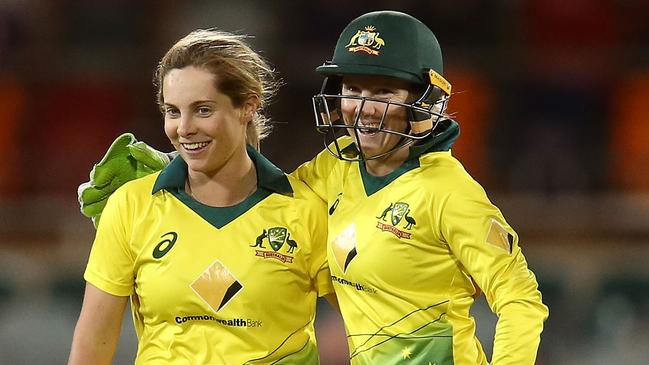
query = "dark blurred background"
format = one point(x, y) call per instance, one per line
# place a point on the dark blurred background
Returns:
point(552, 97)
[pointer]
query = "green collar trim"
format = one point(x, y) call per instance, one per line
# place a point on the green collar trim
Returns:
point(441, 141)
point(220, 216)
point(372, 184)
point(269, 176)
point(269, 179)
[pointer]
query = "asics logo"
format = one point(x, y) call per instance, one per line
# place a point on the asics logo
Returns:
point(333, 207)
point(165, 245)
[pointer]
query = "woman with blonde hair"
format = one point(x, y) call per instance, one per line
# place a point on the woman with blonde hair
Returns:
point(221, 253)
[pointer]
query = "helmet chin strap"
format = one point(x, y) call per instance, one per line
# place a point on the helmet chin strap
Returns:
point(421, 127)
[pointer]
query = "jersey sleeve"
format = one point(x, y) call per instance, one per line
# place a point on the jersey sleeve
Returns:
point(319, 264)
point(487, 247)
point(111, 262)
point(316, 226)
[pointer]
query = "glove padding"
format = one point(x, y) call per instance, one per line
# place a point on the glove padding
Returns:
point(126, 159)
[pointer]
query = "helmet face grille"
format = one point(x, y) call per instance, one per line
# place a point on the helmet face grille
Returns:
point(390, 44)
point(422, 117)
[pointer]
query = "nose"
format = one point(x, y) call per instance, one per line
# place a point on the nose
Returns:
point(359, 107)
point(186, 126)
point(369, 108)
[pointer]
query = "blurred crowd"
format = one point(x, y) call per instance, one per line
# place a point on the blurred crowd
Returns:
point(549, 93)
point(551, 97)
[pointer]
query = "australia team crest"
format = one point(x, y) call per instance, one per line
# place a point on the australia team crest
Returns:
point(399, 210)
point(276, 237)
point(400, 217)
point(366, 40)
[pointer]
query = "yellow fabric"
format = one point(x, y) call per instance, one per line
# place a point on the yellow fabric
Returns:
point(204, 295)
point(405, 258)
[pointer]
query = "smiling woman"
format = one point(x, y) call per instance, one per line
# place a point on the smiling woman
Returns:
point(196, 245)
point(374, 105)
point(211, 88)
point(209, 132)
point(241, 72)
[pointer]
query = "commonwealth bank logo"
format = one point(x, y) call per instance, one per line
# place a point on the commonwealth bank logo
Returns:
point(344, 247)
point(399, 217)
point(499, 237)
point(216, 285)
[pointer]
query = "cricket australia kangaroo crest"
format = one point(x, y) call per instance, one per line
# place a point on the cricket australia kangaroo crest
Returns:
point(398, 217)
point(276, 237)
point(366, 40)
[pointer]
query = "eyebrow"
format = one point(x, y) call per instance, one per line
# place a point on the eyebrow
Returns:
point(197, 102)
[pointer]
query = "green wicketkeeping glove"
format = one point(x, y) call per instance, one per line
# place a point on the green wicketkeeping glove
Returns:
point(126, 160)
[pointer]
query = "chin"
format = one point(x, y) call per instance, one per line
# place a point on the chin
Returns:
point(196, 165)
point(371, 149)
point(370, 153)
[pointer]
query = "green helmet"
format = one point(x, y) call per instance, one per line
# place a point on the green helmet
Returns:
point(384, 43)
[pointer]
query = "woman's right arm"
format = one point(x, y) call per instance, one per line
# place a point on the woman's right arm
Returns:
point(98, 328)
point(315, 172)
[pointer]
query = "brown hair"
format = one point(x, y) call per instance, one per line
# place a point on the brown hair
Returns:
point(240, 72)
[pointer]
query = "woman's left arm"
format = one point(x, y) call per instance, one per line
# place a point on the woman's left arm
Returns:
point(488, 249)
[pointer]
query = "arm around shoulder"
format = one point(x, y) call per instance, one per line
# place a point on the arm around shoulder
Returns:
point(315, 172)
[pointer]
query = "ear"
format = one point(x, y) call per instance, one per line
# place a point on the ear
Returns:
point(250, 107)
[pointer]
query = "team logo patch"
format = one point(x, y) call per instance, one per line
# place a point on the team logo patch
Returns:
point(216, 286)
point(344, 247)
point(499, 237)
point(366, 40)
point(276, 237)
point(398, 212)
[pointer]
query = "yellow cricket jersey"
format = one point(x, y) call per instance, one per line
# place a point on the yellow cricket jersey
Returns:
point(406, 252)
point(235, 285)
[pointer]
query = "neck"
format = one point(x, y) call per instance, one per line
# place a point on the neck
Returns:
point(386, 164)
point(230, 185)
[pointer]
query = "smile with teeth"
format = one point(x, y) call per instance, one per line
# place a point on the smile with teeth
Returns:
point(194, 146)
point(369, 128)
